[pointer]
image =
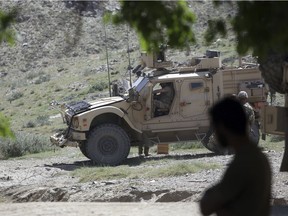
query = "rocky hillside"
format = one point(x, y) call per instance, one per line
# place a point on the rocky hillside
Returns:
point(59, 54)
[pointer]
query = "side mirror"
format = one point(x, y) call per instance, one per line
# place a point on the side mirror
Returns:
point(133, 95)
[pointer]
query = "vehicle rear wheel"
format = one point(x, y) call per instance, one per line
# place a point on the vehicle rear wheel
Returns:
point(108, 144)
point(211, 144)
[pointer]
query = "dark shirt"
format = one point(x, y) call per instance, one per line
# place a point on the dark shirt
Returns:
point(245, 188)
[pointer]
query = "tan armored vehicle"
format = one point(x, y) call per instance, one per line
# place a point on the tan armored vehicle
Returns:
point(105, 129)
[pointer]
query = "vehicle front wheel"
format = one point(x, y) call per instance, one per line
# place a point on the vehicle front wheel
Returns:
point(82, 147)
point(108, 144)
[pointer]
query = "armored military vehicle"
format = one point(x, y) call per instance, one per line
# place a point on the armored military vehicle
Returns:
point(106, 128)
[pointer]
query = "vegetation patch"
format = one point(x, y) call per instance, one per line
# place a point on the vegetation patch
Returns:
point(15, 95)
point(100, 86)
point(273, 142)
point(186, 145)
point(42, 79)
point(22, 144)
point(107, 173)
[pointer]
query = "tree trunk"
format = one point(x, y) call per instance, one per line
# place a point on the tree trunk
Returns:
point(284, 164)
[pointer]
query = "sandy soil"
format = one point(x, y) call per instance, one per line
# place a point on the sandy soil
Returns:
point(49, 180)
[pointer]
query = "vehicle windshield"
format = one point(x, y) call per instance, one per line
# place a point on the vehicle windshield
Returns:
point(140, 83)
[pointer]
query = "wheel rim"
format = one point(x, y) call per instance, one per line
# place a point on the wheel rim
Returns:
point(108, 145)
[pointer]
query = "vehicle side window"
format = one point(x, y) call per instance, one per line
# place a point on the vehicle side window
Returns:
point(196, 85)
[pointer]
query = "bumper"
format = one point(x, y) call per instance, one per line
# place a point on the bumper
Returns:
point(59, 139)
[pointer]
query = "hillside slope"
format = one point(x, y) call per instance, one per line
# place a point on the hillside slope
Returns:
point(60, 55)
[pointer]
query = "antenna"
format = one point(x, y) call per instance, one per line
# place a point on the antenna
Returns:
point(106, 49)
point(129, 62)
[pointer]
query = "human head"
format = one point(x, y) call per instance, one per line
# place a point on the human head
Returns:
point(243, 97)
point(163, 84)
point(228, 116)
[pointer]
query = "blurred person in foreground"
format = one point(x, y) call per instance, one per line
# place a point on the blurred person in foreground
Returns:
point(245, 188)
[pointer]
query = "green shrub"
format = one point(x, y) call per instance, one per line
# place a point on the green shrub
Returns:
point(186, 145)
point(20, 104)
point(43, 120)
point(42, 78)
point(15, 95)
point(31, 75)
point(100, 86)
point(23, 144)
point(29, 124)
point(276, 138)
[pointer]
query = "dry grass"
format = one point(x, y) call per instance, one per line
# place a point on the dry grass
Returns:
point(145, 171)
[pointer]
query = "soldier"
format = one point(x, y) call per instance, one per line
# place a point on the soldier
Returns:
point(163, 97)
point(145, 144)
point(243, 98)
point(254, 134)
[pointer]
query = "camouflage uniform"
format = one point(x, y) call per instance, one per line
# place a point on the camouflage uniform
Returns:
point(250, 114)
point(144, 145)
point(165, 99)
point(253, 125)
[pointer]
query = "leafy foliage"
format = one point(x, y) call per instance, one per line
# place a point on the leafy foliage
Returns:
point(6, 34)
point(217, 25)
point(259, 26)
point(5, 127)
point(99, 86)
point(6, 19)
point(158, 22)
point(22, 144)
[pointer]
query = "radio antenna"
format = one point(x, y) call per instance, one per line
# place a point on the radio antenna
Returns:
point(107, 58)
point(129, 61)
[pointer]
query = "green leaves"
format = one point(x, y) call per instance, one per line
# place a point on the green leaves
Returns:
point(215, 27)
point(5, 127)
point(6, 33)
point(157, 22)
point(261, 26)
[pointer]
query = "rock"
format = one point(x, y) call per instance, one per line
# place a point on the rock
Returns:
point(175, 196)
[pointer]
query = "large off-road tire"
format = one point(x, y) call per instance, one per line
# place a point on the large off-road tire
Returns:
point(108, 144)
point(211, 144)
point(271, 68)
point(82, 147)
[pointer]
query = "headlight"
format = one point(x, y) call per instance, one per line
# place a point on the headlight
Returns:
point(75, 122)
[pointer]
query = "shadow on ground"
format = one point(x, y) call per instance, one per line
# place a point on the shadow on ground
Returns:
point(131, 161)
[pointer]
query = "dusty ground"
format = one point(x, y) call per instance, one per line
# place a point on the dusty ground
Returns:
point(50, 180)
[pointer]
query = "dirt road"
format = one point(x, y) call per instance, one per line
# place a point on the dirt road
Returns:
point(49, 179)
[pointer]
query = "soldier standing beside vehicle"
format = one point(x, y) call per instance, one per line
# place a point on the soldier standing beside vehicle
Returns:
point(253, 129)
point(243, 98)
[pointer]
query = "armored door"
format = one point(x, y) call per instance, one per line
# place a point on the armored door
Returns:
point(195, 98)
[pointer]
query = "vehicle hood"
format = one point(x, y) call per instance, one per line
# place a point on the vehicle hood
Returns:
point(105, 101)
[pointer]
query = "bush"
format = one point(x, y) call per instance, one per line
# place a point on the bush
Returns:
point(15, 95)
point(276, 138)
point(187, 145)
point(29, 124)
point(42, 78)
point(43, 120)
point(23, 144)
point(100, 86)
